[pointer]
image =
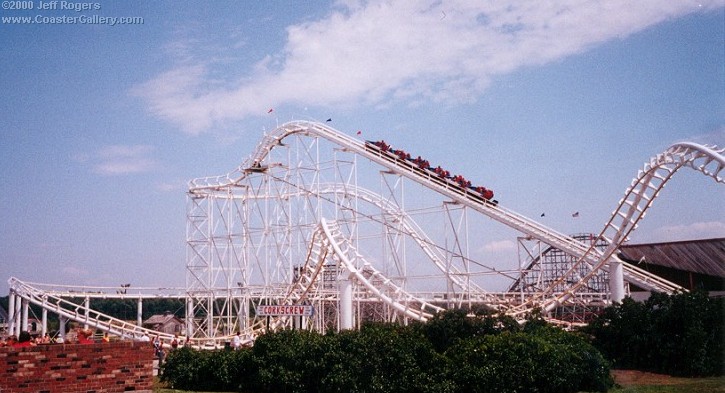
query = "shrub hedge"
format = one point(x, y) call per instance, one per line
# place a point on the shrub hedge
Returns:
point(680, 334)
point(476, 355)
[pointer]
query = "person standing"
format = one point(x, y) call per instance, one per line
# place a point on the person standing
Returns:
point(175, 342)
point(236, 342)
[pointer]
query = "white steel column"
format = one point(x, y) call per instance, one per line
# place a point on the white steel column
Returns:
point(139, 312)
point(11, 314)
point(189, 317)
point(86, 307)
point(44, 326)
point(616, 280)
point(242, 315)
point(61, 330)
point(24, 322)
point(345, 287)
point(210, 313)
point(18, 315)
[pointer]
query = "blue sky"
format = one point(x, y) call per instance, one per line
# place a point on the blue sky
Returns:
point(556, 105)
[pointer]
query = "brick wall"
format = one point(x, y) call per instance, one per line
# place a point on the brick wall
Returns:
point(84, 368)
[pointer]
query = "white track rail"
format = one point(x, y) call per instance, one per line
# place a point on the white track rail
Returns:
point(329, 242)
point(54, 299)
point(330, 245)
point(637, 200)
point(364, 273)
point(57, 303)
point(410, 227)
point(580, 250)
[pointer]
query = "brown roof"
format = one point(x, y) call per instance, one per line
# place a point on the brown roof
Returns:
point(160, 319)
point(698, 256)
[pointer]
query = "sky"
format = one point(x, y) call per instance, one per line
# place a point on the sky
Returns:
point(109, 108)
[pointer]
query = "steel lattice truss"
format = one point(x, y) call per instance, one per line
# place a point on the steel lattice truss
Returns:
point(361, 233)
point(256, 233)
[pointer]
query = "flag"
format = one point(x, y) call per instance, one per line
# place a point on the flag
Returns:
point(270, 110)
point(328, 120)
point(576, 214)
point(359, 132)
point(543, 214)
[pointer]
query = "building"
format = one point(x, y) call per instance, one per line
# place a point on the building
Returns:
point(692, 264)
point(166, 323)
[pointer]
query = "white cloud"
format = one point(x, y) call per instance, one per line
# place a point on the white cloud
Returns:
point(123, 151)
point(168, 187)
point(499, 246)
point(123, 167)
point(75, 271)
point(379, 52)
point(716, 136)
point(698, 230)
point(120, 159)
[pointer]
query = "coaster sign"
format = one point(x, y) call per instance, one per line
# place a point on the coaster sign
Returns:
point(286, 311)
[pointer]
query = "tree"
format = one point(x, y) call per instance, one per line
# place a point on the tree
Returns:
point(679, 334)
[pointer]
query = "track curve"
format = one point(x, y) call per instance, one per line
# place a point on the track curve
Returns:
point(329, 242)
point(638, 198)
point(566, 243)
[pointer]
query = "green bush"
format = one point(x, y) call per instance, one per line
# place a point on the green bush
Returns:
point(184, 368)
point(289, 361)
point(480, 355)
point(383, 358)
point(378, 358)
point(546, 360)
point(219, 370)
point(680, 334)
point(447, 328)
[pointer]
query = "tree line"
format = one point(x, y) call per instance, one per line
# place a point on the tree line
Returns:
point(679, 335)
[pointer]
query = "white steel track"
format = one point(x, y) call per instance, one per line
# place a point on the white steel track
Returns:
point(637, 200)
point(364, 273)
point(55, 299)
point(683, 154)
point(244, 225)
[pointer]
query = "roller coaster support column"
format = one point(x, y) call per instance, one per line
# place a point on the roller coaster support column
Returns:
point(44, 323)
point(242, 315)
point(616, 281)
point(24, 323)
point(345, 287)
point(210, 315)
point(86, 308)
point(61, 329)
point(11, 314)
point(189, 316)
point(139, 312)
point(18, 315)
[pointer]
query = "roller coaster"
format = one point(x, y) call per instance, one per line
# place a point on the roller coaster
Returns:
point(360, 231)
